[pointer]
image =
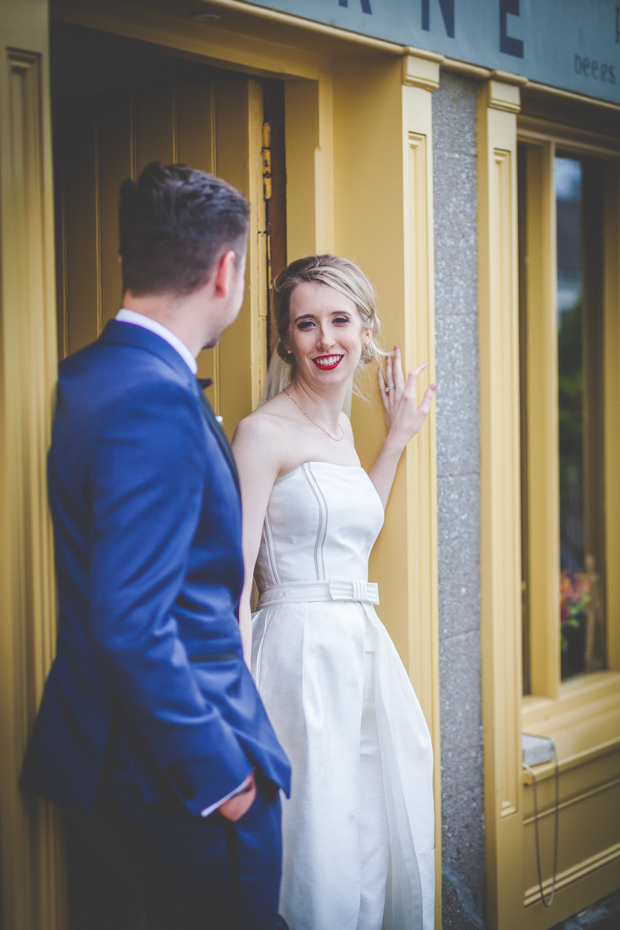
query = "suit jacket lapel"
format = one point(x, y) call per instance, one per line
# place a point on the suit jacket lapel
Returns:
point(219, 434)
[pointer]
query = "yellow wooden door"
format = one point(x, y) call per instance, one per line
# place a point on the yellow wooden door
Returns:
point(99, 141)
point(29, 848)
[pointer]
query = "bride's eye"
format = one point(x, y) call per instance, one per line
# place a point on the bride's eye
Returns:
point(305, 324)
point(342, 319)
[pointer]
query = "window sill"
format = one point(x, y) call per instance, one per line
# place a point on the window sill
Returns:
point(584, 721)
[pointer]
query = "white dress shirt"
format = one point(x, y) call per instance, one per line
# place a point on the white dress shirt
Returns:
point(139, 319)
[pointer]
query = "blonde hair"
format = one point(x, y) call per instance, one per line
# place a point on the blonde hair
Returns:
point(341, 274)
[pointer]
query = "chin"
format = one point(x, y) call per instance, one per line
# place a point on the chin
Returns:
point(332, 378)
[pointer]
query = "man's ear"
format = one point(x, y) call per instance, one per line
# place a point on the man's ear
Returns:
point(225, 274)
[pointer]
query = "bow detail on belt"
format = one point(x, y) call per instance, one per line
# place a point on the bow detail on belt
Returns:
point(333, 590)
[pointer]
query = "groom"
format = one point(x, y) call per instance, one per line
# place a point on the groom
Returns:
point(151, 734)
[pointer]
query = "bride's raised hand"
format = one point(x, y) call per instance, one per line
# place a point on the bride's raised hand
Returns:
point(402, 414)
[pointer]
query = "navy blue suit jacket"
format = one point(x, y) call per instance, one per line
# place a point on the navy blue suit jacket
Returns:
point(147, 530)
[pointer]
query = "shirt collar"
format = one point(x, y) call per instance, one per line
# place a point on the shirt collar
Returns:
point(139, 319)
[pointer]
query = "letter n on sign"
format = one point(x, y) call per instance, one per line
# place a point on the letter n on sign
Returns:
point(365, 5)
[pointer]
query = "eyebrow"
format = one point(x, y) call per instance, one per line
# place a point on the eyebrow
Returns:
point(311, 316)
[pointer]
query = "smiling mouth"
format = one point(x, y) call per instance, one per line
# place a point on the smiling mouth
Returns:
point(327, 362)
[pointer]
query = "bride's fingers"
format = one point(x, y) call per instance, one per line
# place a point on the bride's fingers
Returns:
point(418, 371)
point(399, 378)
point(410, 386)
point(427, 400)
point(381, 379)
point(388, 369)
point(413, 377)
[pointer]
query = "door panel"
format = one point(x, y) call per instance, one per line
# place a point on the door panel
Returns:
point(30, 848)
point(101, 140)
point(242, 353)
point(155, 130)
point(116, 161)
point(80, 261)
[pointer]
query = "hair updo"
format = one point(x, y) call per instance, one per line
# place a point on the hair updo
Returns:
point(341, 274)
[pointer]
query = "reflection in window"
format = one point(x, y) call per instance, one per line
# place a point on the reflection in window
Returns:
point(580, 419)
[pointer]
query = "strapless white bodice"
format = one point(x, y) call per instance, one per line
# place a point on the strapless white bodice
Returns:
point(321, 523)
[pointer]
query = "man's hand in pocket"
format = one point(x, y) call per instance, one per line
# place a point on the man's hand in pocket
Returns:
point(237, 806)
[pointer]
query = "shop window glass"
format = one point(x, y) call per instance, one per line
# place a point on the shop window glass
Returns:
point(578, 190)
point(579, 273)
point(574, 582)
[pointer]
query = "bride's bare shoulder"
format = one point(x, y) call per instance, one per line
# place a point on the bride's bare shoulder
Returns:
point(264, 424)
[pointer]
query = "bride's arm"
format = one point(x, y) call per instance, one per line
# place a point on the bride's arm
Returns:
point(403, 418)
point(253, 447)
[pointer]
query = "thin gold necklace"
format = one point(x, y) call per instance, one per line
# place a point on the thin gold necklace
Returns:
point(314, 421)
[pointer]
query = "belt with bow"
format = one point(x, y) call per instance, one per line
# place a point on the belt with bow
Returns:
point(333, 590)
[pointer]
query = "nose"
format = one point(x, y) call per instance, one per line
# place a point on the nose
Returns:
point(326, 338)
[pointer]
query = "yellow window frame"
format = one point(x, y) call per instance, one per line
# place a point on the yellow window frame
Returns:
point(549, 696)
point(582, 714)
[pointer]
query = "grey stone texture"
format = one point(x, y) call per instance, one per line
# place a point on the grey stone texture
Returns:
point(458, 455)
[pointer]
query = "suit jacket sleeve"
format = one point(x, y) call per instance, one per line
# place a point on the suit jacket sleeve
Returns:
point(148, 477)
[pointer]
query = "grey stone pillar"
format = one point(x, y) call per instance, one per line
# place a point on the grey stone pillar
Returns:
point(458, 455)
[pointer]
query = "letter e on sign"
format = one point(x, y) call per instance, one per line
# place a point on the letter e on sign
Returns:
point(508, 44)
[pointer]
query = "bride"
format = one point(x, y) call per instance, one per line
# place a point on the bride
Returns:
point(358, 830)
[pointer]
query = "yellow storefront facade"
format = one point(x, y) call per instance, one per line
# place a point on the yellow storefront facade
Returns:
point(93, 90)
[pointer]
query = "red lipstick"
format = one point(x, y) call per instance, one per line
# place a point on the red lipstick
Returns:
point(320, 362)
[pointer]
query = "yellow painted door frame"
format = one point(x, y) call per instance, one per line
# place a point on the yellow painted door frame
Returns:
point(586, 708)
point(241, 356)
point(383, 180)
point(345, 117)
point(30, 847)
point(543, 520)
point(583, 712)
point(499, 103)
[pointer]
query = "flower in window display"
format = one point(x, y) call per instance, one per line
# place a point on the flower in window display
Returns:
point(575, 595)
point(595, 620)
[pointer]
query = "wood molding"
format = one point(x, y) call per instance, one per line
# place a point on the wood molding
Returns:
point(310, 25)
point(500, 497)
point(507, 78)
point(421, 71)
point(32, 862)
point(611, 374)
point(221, 47)
point(466, 69)
point(421, 455)
point(502, 96)
point(542, 421)
point(545, 90)
point(549, 811)
point(383, 148)
point(582, 141)
point(569, 876)
point(242, 351)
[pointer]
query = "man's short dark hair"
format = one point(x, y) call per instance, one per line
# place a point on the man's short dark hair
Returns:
point(174, 226)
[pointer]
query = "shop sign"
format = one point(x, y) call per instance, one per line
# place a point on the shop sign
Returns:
point(572, 44)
